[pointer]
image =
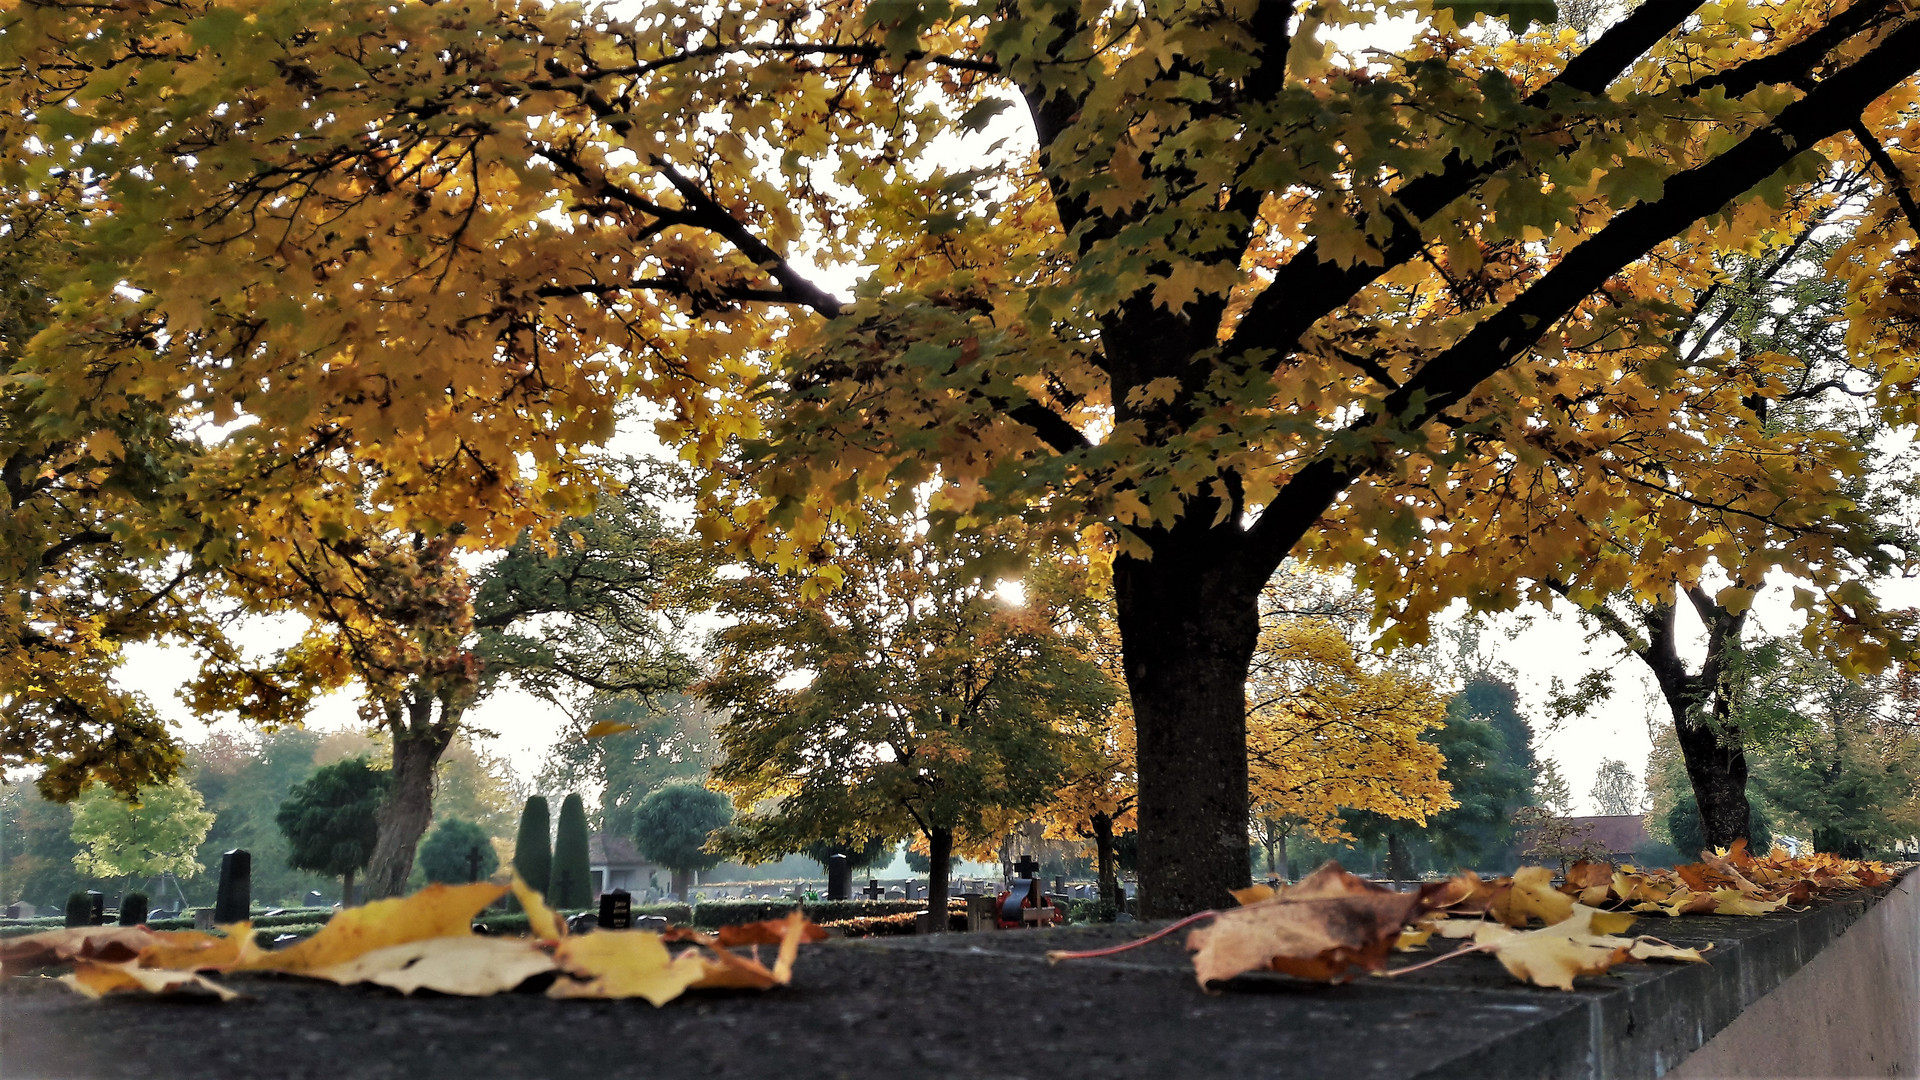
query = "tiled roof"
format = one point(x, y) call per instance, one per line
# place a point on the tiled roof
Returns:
point(1618, 834)
point(612, 849)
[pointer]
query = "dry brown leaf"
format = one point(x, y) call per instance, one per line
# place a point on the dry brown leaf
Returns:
point(731, 971)
point(545, 923)
point(770, 932)
point(623, 964)
point(103, 944)
point(1329, 923)
point(434, 912)
point(195, 950)
point(96, 980)
point(469, 966)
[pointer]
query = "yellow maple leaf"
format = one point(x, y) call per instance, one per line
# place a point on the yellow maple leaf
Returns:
point(98, 980)
point(433, 912)
point(1553, 955)
point(623, 964)
point(541, 919)
point(1532, 896)
point(1736, 902)
point(470, 966)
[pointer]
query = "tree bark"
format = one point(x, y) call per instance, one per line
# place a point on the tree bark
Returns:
point(1711, 742)
point(681, 883)
point(1399, 866)
point(939, 876)
point(1189, 621)
point(1286, 874)
point(346, 889)
point(408, 808)
point(1104, 861)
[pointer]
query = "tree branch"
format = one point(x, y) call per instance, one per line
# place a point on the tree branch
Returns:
point(1890, 173)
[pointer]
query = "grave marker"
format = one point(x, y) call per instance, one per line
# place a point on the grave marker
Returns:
point(873, 891)
point(839, 878)
point(96, 908)
point(234, 901)
point(616, 910)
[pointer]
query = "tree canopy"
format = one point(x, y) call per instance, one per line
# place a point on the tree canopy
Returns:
point(1227, 291)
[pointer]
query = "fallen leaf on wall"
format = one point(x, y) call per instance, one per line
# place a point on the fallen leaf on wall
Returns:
point(468, 966)
point(96, 980)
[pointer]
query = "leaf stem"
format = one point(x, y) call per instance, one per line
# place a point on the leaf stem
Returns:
point(1057, 955)
point(1443, 957)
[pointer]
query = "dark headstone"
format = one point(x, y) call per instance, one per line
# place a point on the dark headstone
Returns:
point(96, 908)
point(616, 910)
point(873, 891)
point(133, 910)
point(839, 878)
point(234, 902)
point(315, 899)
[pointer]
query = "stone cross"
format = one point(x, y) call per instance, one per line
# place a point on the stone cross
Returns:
point(233, 903)
point(873, 891)
point(1026, 867)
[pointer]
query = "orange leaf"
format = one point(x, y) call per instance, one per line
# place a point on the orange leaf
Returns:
point(623, 964)
point(105, 944)
point(1319, 929)
point(193, 950)
point(98, 980)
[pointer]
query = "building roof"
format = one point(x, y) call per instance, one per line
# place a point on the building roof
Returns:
point(612, 849)
point(1617, 834)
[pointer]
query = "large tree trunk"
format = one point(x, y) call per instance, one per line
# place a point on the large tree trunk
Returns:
point(1104, 861)
point(407, 811)
point(939, 877)
point(681, 885)
point(1189, 621)
point(1285, 873)
point(1711, 743)
point(1399, 865)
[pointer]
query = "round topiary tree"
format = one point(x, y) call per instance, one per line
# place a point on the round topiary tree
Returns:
point(449, 851)
point(331, 820)
point(533, 846)
point(671, 827)
point(570, 885)
point(859, 856)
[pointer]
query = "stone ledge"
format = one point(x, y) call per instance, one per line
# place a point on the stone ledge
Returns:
point(957, 1006)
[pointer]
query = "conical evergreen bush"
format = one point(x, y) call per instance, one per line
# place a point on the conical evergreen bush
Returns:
point(532, 848)
point(570, 884)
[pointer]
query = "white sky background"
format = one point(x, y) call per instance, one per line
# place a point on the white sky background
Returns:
point(1537, 645)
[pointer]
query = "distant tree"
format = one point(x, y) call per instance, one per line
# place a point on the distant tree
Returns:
point(1616, 791)
point(646, 742)
point(533, 845)
point(672, 827)
point(36, 847)
point(934, 706)
point(447, 852)
point(245, 778)
point(570, 884)
point(476, 786)
point(331, 820)
point(1847, 775)
point(119, 839)
point(860, 854)
point(1551, 791)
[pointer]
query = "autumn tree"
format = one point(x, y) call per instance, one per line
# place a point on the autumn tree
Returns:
point(331, 820)
point(1615, 789)
point(910, 700)
point(627, 746)
point(1226, 292)
point(1329, 735)
point(157, 835)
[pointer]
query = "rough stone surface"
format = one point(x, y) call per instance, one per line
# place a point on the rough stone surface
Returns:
point(950, 1005)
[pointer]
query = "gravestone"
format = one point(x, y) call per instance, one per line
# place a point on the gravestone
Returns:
point(203, 918)
point(234, 901)
point(314, 899)
point(96, 908)
point(913, 890)
point(133, 910)
point(473, 863)
point(873, 891)
point(839, 878)
point(616, 910)
point(980, 912)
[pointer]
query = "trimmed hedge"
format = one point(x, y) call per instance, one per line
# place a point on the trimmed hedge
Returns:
point(515, 922)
